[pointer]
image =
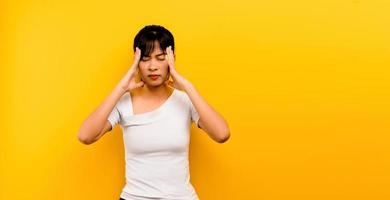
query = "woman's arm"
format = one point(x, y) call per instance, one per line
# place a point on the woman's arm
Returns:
point(209, 119)
point(97, 123)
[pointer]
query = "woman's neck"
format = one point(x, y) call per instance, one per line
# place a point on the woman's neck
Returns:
point(159, 91)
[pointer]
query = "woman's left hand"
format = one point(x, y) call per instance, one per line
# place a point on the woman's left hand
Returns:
point(179, 81)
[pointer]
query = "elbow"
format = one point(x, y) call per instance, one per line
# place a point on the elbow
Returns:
point(84, 139)
point(223, 137)
point(223, 134)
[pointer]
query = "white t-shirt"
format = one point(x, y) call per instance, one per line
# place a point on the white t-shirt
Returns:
point(156, 148)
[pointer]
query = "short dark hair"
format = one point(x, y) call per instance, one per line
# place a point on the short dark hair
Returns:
point(147, 36)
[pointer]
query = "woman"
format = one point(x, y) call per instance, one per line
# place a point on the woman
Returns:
point(155, 114)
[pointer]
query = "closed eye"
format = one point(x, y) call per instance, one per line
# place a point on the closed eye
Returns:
point(148, 57)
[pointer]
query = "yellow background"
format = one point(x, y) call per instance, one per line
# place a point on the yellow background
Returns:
point(304, 85)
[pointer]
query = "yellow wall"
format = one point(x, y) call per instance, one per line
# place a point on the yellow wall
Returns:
point(304, 85)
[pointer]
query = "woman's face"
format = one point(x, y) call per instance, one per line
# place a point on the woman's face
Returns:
point(154, 64)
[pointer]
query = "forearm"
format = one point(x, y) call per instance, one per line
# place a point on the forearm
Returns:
point(93, 125)
point(212, 122)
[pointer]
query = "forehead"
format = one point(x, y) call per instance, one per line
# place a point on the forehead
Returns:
point(156, 50)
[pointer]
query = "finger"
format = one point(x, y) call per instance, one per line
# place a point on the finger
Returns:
point(170, 49)
point(137, 50)
point(137, 55)
point(136, 60)
point(132, 70)
point(171, 54)
point(170, 57)
point(167, 55)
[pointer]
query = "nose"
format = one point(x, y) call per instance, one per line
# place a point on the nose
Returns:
point(153, 66)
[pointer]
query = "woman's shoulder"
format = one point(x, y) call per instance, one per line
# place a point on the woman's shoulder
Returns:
point(179, 92)
point(123, 98)
point(182, 96)
point(122, 103)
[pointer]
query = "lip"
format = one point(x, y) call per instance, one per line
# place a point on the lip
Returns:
point(154, 76)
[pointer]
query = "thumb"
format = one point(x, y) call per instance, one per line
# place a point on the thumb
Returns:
point(139, 84)
point(169, 82)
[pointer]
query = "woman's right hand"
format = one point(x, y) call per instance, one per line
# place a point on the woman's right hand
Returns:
point(128, 82)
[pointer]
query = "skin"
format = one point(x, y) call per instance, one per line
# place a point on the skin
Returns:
point(149, 94)
point(154, 92)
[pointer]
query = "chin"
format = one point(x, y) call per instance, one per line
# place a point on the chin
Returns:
point(155, 83)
